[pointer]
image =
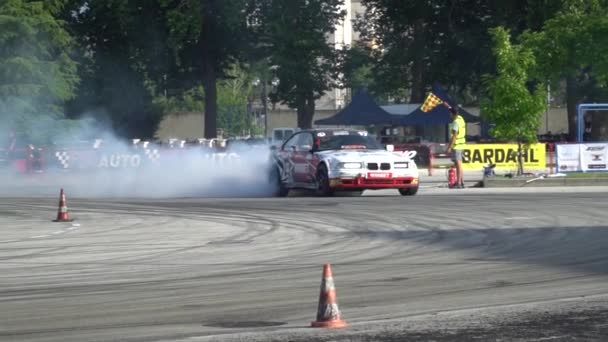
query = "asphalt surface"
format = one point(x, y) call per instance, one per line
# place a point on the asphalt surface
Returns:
point(445, 265)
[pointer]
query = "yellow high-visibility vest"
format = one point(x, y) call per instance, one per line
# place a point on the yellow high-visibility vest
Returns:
point(462, 132)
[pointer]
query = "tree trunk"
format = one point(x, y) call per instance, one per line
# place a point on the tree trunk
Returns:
point(300, 110)
point(418, 93)
point(520, 161)
point(571, 102)
point(210, 116)
point(209, 57)
point(305, 110)
point(417, 85)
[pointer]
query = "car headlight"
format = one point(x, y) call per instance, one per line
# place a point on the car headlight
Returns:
point(402, 165)
point(350, 165)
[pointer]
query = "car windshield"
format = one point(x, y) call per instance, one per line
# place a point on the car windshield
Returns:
point(348, 142)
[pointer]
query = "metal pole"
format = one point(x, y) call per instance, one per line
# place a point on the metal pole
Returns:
point(581, 109)
point(579, 121)
point(249, 113)
point(548, 105)
point(265, 109)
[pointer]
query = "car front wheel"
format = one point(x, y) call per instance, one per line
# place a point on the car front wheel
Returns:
point(323, 188)
point(408, 191)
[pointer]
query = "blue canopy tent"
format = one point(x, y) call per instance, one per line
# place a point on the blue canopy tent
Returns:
point(361, 111)
point(439, 114)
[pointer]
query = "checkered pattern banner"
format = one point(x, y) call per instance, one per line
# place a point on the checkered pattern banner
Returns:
point(153, 155)
point(431, 102)
point(63, 158)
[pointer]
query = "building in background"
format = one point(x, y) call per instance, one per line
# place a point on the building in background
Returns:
point(343, 38)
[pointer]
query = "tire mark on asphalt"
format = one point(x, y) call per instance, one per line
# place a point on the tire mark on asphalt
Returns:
point(364, 243)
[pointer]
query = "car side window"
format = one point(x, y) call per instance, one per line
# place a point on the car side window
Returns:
point(293, 141)
point(305, 142)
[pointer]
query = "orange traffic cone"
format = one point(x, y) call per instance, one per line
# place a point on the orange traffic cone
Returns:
point(62, 212)
point(328, 313)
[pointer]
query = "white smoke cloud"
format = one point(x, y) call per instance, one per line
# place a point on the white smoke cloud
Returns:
point(88, 160)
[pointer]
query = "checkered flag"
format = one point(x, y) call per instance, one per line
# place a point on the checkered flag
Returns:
point(430, 103)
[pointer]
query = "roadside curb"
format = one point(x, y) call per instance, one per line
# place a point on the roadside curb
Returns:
point(542, 182)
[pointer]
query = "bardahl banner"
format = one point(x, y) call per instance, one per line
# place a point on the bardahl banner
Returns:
point(476, 156)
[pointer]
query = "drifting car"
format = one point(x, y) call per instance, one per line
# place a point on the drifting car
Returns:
point(327, 161)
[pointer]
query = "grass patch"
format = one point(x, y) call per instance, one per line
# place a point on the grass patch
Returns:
point(587, 175)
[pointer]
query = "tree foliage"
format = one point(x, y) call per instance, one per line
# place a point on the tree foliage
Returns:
point(357, 69)
point(124, 62)
point(137, 59)
point(571, 46)
point(293, 36)
point(416, 43)
point(37, 73)
point(208, 37)
point(512, 107)
point(233, 115)
point(141, 57)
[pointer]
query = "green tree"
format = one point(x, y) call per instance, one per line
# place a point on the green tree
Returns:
point(233, 95)
point(512, 107)
point(140, 58)
point(415, 43)
point(125, 62)
point(208, 37)
point(293, 34)
point(37, 74)
point(357, 69)
point(572, 46)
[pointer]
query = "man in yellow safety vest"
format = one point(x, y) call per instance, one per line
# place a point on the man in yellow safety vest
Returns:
point(457, 143)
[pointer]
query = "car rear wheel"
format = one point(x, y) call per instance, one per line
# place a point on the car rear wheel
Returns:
point(323, 188)
point(408, 191)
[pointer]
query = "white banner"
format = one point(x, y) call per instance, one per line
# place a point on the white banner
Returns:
point(120, 160)
point(568, 157)
point(594, 157)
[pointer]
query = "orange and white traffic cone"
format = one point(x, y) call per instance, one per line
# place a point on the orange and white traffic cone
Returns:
point(328, 313)
point(62, 212)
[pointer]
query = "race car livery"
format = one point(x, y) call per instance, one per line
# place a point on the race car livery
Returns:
point(341, 160)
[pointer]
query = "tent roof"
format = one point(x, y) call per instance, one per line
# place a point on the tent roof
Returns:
point(440, 115)
point(361, 111)
point(401, 109)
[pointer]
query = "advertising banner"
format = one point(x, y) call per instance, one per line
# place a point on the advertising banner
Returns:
point(476, 156)
point(81, 160)
point(594, 156)
point(568, 157)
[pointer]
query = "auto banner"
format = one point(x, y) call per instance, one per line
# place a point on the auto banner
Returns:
point(91, 159)
point(476, 156)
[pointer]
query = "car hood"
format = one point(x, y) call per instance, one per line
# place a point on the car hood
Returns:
point(367, 156)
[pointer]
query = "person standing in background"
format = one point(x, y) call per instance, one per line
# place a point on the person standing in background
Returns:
point(457, 143)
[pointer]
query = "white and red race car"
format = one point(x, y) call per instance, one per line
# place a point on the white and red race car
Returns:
point(341, 160)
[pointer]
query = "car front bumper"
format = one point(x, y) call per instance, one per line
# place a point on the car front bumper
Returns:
point(361, 183)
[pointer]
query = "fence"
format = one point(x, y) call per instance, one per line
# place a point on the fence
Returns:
point(33, 159)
